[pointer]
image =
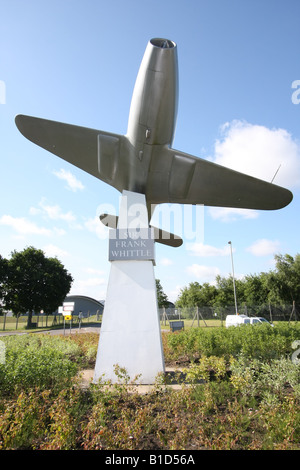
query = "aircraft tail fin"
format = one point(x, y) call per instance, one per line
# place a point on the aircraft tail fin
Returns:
point(160, 236)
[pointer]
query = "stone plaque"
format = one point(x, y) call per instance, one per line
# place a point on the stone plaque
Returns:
point(127, 244)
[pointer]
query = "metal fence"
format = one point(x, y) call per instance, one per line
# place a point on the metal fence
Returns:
point(19, 322)
point(195, 316)
point(214, 316)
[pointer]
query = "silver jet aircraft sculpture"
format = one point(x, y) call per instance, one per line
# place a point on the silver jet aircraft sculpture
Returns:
point(143, 160)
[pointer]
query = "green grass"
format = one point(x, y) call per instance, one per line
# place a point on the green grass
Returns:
point(189, 323)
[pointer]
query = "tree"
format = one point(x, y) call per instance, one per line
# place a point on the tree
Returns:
point(3, 279)
point(162, 298)
point(189, 296)
point(197, 295)
point(280, 286)
point(225, 295)
point(284, 282)
point(255, 289)
point(35, 282)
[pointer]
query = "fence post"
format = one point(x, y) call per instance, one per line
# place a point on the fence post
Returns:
point(270, 309)
point(293, 311)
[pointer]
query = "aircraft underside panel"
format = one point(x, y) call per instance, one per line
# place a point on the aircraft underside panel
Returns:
point(108, 151)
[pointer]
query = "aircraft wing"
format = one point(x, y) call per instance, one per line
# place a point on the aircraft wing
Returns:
point(96, 152)
point(192, 180)
point(173, 176)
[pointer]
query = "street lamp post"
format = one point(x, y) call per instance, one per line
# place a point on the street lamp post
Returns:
point(234, 291)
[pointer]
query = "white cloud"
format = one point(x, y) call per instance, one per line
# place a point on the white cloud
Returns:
point(54, 251)
point(94, 271)
point(92, 282)
point(23, 226)
point(59, 231)
point(93, 287)
point(258, 151)
point(174, 293)
point(227, 214)
point(34, 211)
point(55, 212)
point(165, 262)
point(264, 247)
point(94, 225)
point(72, 182)
point(205, 273)
point(199, 249)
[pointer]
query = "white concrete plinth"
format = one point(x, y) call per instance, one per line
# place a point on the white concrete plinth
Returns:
point(130, 335)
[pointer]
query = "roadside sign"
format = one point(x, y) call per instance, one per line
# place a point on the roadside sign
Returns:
point(68, 317)
point(68, 304)
point(68, 309)
point(66, 312)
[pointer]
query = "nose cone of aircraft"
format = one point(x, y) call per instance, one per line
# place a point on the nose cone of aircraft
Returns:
point(163, 43)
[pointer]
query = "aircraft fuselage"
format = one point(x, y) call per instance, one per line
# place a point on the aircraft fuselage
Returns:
point(153, 110)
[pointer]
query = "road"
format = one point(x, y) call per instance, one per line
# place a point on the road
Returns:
point(91, 328)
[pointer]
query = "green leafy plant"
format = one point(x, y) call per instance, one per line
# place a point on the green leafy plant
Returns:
point(246, 398)
point(36, 362)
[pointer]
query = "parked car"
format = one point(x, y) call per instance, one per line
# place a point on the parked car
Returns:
point(236, 320)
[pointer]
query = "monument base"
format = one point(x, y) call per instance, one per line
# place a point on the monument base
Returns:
point(130, 332)
point(130, 335)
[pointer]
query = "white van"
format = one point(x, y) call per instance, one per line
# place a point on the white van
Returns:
point(236, 320)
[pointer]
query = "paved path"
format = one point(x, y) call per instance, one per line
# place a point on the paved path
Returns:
point(90, 328)
point(83, 329)
point(86, 377)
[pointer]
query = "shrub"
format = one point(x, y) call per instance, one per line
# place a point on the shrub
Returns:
point(42, 420)
point(22, 421)
point(269, 381)
point(261, 341)
point(245, 401)
point(87, 343)
point(36, 362)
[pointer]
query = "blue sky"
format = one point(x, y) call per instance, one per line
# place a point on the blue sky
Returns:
point(76, 61)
